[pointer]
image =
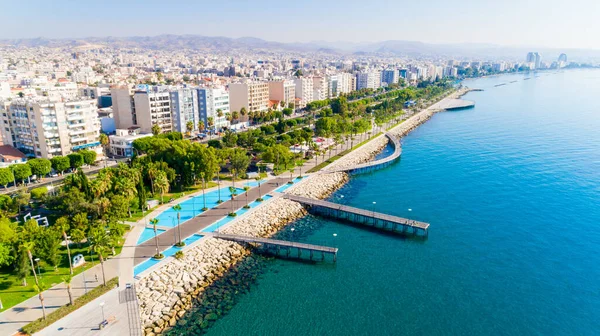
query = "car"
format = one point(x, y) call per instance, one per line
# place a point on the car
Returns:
point(53, 174)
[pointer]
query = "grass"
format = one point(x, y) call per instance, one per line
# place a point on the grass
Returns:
point(63, 311)
point(12, 292)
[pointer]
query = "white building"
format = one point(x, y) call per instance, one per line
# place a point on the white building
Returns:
point(368, 80)
point(184, 104)
point(153, 108)
point(304, 91)
point(42, 128)
point(320, 88)
point(213, 102)
point(121, 144)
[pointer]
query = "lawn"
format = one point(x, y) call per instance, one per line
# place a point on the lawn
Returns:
point(12, 292)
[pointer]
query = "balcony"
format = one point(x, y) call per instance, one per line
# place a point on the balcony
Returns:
point(77, 132)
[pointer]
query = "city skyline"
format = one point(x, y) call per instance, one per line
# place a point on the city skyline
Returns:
point(470, 23)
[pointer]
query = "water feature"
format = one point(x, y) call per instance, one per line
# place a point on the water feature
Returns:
point(147, 234)
point(141, 267)
point(288, 185)
point(193, 206)
point(511, 188)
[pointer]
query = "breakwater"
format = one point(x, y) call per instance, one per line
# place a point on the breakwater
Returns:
point(166, 294)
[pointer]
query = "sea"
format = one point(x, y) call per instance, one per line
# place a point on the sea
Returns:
point(511, 189)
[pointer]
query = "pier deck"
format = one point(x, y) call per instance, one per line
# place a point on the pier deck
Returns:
point(374, 165)
point(275, 246)
point(452, 104)
point(361, 216)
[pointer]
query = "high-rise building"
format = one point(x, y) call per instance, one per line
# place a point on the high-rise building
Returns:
point(123, 107)
point(538, 60)
point(562, 60)
point(368, 80)
point(534, 60)
point(282, 91)
point(320, 88)
point(389, 76)
point(42, 128)
point(184, 104)
point(213, 104)
point(304, 90)
point(153, 107)
point(253, 96)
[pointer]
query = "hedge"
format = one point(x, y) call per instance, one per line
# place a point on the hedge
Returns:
point(63, 311)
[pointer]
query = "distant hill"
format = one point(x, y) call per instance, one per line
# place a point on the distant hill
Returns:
point(386, 48)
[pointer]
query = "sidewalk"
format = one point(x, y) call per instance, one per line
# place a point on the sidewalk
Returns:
point(27, 311)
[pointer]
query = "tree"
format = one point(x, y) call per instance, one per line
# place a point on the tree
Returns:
point(189, 126)
point(177, 209)
point(68, 279)
point(6, 177)
point(40, 287)
point(75, 160)
point(115, 232)
point(154, 222)
point(246, 188)
point(100, 242)
point(39, 193)
point(243, 112)
point(119, 205)
point(23, 266)
point(77, 236)
point(89, 156)
point(21, 199)
point(239, 163)
point(21, 171)
point(60, 163)
point(156, 129)
point(40, 167)
point(288, 111)
point(161, 184)
point(47, 247)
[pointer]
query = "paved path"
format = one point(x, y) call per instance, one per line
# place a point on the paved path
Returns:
point(16, 317)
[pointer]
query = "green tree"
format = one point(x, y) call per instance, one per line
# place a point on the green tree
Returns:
point(77, 236)
point(60, 163)
point(75, 160)
point(6, 177)
point(40, 167)
point(21, 171)
point(154, 222)
point(89, 156)
point(39, 193)
point(119, 205)
point(40, 287)
point(47, 247)
point(156, 129)
point(21, 199)
point(189, 126)
point(239, 163)
point(100, 242)
point(177, 209)
point(161, 184)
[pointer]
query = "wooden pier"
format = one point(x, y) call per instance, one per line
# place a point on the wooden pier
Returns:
point(375, 165)
point(283, 248)
point(364, 217)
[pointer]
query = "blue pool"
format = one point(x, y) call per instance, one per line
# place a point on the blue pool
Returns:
point(253, 184)
point(192, 207)
point(147, 234)
point(167, 253)
point(287, 185)
point(228, 219)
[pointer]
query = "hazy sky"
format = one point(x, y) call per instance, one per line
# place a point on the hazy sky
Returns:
point(544, 23)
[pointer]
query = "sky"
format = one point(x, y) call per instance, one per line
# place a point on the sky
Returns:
point(542, 23)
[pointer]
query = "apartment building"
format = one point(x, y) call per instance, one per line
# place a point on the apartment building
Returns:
point(304, 91)
point(389, 76)
point(184, 105)
point(254, 96)
point(213, 102)
point(320, 88)
point(338, 84)
point(153, 108)
point(121, 144)
point(123, 107)
point(368, 80)
point(42, 128)
point(283, 91)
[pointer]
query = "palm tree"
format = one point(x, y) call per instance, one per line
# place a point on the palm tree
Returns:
point(68, 252)
point(177, 208)
point(219, 113)
point(219, 201)
point(300, 164)
point(68, 279)
point(189, 126)
point(154, 222)
point(100, 242)
point(246, 188)
point(104, 141)
point(259, 193)
point(243, 112)
point(40, 288)
point(204, 208)
point(201, 126)
point(228, 116)
point(155, 129)
point(235, 115)
point(162, 184)
point(232, 191)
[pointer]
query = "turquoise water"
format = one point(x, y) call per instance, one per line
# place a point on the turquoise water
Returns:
point(141, 267)
point(193, 207)
point(511, 189)
point(287, 185)
point(228, 219)
point(147, 234)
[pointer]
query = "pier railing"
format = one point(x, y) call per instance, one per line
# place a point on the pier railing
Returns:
point(377, 164)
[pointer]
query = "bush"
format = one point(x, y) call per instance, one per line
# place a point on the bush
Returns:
point(179, 255)
point(39, 193)
point(63, 311)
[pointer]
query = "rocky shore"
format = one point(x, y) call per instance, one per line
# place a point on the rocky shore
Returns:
point(197, 283)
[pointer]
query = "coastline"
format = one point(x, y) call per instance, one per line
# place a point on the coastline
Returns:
point(168, 292)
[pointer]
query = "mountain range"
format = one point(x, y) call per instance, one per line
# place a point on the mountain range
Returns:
point(413, 49)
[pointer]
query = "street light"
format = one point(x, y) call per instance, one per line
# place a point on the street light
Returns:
point(102, 308)
point(374, 212)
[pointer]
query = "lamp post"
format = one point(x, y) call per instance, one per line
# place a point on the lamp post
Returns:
point(374, 212)
point(102, 309)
